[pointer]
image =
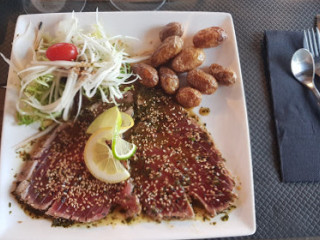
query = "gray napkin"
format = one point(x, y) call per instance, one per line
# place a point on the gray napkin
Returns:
point(296, 112)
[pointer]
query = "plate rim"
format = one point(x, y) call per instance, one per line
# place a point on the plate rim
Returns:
point(252, 228)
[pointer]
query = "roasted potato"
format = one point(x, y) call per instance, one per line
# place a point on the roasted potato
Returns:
point(202, 81)
point(189, 97)
point(171, 29)
point(188, 59)
point(148, 74)
point(169, 80)
point(209, 37)
point(168, 49)
point(224, 76)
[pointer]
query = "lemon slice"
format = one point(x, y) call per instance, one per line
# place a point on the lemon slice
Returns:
point(99, 158)
point(108, 119)
point(127, 122)
point(122, 149)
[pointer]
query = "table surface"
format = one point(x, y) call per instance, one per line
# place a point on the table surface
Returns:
point(282, 210)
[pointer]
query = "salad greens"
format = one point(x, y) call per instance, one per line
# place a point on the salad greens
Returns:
point(48, 89)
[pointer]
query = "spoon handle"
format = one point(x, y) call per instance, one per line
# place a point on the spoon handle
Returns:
point(316, 93)
point(317, 68)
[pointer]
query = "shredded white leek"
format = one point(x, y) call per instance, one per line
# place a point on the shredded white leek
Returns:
point(49, 88)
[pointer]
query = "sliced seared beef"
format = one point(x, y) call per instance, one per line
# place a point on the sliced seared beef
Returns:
point(57, 182)
point(175, 164)
point(176, 160)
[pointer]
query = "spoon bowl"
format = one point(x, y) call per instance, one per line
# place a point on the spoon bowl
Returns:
point(303, 69)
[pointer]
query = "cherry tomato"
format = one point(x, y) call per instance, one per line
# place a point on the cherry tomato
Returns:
point(62, 51)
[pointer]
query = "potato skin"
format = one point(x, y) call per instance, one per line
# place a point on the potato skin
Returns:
point(224, 76)
point(202, 81)
point(169, 80)
point(168, 49)
point(189, 97)
point(171, 29)
point(148, 74)
point(188, 59)
point(209, 37)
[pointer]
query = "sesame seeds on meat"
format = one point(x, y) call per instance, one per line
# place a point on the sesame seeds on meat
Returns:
point(62, 186)
point(176, 164)
point(176, 161)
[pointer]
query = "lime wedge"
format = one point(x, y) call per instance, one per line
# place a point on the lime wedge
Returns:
point(122, 149)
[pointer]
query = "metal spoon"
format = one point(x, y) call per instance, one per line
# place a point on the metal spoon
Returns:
point(302, 67)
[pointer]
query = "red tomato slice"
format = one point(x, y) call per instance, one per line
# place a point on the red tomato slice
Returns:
point(62, 51)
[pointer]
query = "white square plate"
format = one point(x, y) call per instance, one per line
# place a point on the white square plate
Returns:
point(227, 122)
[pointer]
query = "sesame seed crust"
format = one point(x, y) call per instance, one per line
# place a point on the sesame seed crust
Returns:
point(175, 165)
point(176, 161)
point(62, 186)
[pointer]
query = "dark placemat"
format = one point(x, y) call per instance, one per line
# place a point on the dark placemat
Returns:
point(283, 210)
